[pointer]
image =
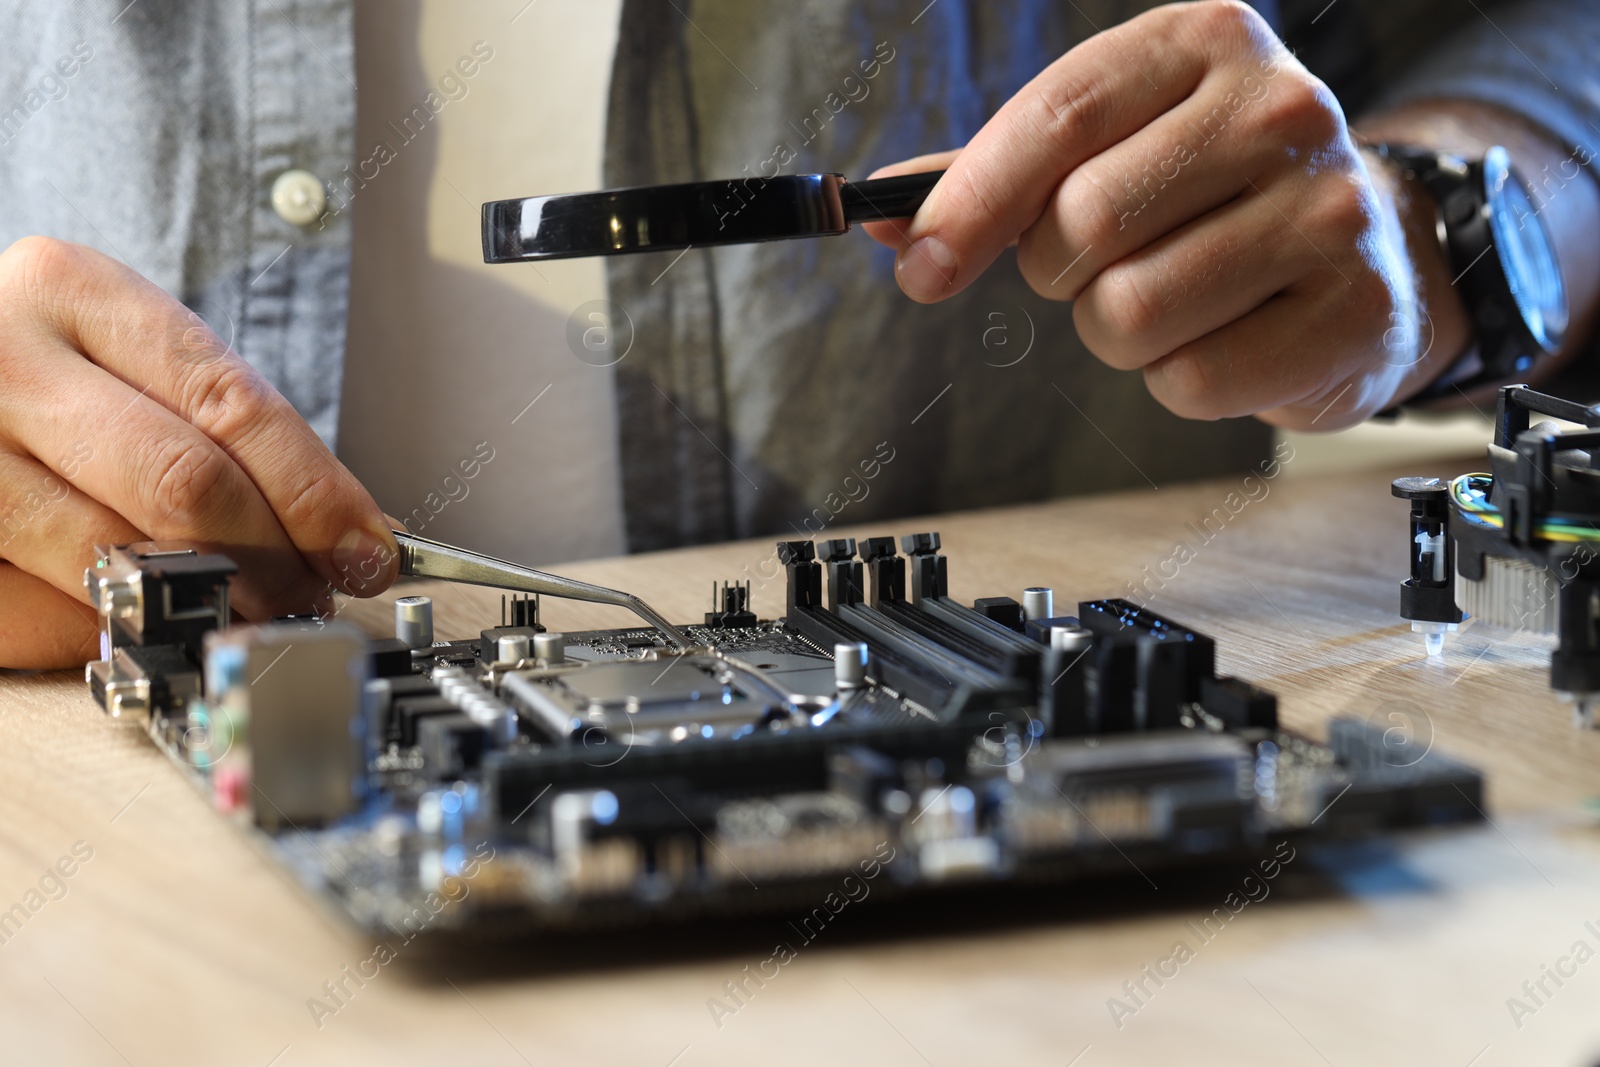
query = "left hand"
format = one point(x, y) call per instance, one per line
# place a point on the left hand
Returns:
point(1197, 193)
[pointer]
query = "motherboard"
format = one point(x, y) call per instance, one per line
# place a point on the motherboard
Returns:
point(880, 730)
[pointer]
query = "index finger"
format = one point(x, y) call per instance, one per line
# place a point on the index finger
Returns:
point(1100, 92)
point(158, 345)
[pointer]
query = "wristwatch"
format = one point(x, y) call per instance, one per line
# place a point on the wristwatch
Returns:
point(1503, 260)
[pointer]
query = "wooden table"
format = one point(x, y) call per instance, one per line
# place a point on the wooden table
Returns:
point(177, 943)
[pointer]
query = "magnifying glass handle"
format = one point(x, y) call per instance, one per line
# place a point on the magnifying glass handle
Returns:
point(887, 198)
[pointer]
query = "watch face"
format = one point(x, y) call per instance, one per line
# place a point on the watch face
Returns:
point(1526, 254)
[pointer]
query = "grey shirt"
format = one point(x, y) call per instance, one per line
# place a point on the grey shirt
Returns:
point(161, 148)
point(768, 380)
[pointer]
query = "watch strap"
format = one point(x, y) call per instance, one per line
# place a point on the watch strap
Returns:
point(1456, 186)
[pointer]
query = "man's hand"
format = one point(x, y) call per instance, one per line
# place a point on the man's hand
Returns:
point(124, 418)
point(1197, 193)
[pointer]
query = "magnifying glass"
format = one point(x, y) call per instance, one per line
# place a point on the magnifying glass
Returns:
point(661, 218)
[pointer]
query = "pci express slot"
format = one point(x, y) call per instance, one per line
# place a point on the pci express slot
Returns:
point(794, 761)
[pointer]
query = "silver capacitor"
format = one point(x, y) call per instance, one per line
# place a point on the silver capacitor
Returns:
point(512, 647)
point(550, 650)
point(1038, 603)
point(1071, 638)
point(849, 665)
point(413, 621)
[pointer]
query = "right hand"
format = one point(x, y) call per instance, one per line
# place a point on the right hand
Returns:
point(123, 417)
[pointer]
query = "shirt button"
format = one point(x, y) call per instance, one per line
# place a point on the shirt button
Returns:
point(298, 197)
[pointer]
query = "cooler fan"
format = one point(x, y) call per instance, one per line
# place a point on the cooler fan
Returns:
point(1517, 547)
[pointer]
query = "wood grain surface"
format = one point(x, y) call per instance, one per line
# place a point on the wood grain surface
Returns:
point(176, 942)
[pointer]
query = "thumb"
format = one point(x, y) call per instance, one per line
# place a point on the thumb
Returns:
point(892, 232)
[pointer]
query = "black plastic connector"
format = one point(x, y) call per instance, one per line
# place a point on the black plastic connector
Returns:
point(930, 572)
point(1429, 595)
point(846, 584)
point(1239, 704)
point(1002, 609)
point(886, 571)
point(734, 611)
point(387, 657)
point(804, 574)
point(451, 744)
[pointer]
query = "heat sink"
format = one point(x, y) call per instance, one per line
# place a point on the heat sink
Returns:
point(1512, 593)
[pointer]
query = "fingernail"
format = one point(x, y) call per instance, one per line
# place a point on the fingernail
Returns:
point(366, 561)
point(926, 269)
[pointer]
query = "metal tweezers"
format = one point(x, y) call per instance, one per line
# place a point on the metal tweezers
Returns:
point(422, 558)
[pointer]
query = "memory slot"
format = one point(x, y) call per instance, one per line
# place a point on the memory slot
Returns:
point(951, 639)
point(908, 644)
point(1020, 657)
point(885, 663)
